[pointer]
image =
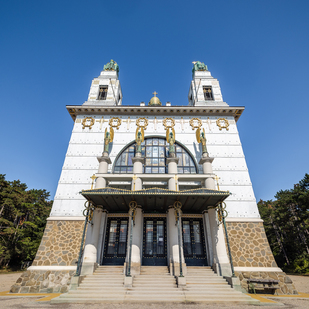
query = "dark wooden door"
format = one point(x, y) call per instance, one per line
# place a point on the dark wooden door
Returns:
point(154, 242)
point(193, 242)
point(115, 247)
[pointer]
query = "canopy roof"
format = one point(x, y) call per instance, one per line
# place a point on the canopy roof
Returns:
point(155, 199)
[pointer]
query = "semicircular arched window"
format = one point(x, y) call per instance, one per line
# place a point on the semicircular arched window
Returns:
point(155, 152)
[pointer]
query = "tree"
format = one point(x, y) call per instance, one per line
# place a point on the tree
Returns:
point(23, 215)
point(286, 222)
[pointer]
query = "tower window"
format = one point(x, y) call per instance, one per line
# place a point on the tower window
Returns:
point(102, 93)
point(207, 93)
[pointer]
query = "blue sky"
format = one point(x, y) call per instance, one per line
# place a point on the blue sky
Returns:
point(51, 50)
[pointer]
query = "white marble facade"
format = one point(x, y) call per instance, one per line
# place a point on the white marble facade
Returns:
point(86, 144)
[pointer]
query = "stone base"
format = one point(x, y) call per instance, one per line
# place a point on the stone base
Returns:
point(175, 269)
point(181, 281)
point(286, 285)
point(43, 281)
point(135, 268)
point(128, 281)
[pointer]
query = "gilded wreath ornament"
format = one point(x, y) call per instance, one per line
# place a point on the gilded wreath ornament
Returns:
point(113, 124)
point(225, 124)
point(86, 124)
point(193, 122)
point(166, 125)
point(142, 122)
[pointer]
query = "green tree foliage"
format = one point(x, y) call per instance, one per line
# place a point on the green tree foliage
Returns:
point(286, 222)
point(23, 215)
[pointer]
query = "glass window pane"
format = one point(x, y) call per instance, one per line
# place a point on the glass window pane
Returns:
point(160, 237)
point(161, 152)
point(117, 169)
point(143, 151)
point(186, 238)
point(112, 237)
point(130, 169)
point(197, 237)
point(123, 170)
point(161, 141)
point(122, 238)
point(149, 141)
point(148, 161)
point(155, 162)
point(155, 141)
point(149, 238)
point(131, 155)
point(162, 162)
point(179, 155)
point(155, 170)
point(155, 151)
point(161, 170)
point(148, 152)
point(186, 170)
point(148, 170)
point(180, 170)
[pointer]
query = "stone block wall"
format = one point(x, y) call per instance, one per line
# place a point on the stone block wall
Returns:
point(60, 246)
point(249, 245)
point(43, 281)
point(250, 248)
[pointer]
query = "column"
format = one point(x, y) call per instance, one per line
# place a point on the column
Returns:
point(173, 258)
point(137, 241)
point(90, 256)
point(172, 169)
point(104, 160)
point(138, 162)
point(220, 262)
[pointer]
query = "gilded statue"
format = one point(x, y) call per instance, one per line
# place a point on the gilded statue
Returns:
point(111, 66)
point(199, 66)
point(139, 138)
point(108, 138)
point(170, 138)
point(201, 139)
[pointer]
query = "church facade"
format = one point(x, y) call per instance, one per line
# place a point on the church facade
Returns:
point(156, 185)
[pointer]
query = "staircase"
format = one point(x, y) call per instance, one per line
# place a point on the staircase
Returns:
point(154, 284)
point(203, 285)
point(105, 285)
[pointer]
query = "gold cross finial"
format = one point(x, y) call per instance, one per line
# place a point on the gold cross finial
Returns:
point(93, 177)
point(217, 180)
point(155, 93)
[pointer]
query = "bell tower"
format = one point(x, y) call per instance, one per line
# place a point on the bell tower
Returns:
point(204, 89)
point(105, 89)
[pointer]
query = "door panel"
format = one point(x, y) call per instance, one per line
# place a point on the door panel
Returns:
point(154, 242)
point(193, 242)
point(116, 241)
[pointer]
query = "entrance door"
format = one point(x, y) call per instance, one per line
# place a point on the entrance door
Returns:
point(193, 242)
point(116, 241)
point(154, 243)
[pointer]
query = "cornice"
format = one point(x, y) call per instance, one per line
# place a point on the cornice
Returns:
point(234, 111)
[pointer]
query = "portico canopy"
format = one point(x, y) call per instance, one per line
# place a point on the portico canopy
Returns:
point(155, 199)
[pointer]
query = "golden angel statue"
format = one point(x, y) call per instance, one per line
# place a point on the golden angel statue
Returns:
point(170, 138)
point(201, 139)
point(139, 138)
point(108, 138)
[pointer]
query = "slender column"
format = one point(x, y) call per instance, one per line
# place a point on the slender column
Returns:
point(138, 162)
point(208, 239)
point(137, 236)
point(101, 235)
point(173, 258)
point(90, 252)
point(172, 169)
point(220, 261)
point(104, 160)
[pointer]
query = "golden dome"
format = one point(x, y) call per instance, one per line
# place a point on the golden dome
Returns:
point(155, 101)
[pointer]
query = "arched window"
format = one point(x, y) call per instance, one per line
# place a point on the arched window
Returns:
point(155, 152)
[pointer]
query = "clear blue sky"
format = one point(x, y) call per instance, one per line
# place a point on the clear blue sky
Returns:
point(51, 50)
